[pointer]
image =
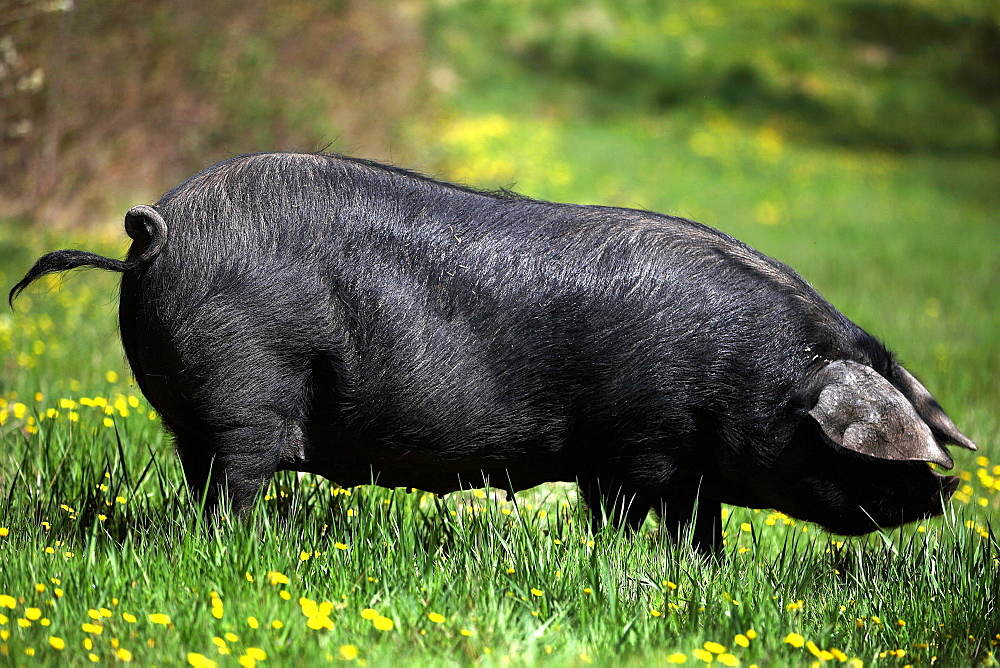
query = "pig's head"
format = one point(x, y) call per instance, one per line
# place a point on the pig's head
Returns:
point(858, 460)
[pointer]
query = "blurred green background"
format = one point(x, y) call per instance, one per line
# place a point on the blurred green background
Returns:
point(105, 102)
point(856, 140)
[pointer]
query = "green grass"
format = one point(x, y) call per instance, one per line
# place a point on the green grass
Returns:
point(96, 517)
point(98, 536)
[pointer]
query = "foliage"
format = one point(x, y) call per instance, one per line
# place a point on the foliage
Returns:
point(896, 74)
point(104, 103)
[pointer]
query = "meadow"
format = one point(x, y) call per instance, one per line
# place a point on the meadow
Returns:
point(104, 557)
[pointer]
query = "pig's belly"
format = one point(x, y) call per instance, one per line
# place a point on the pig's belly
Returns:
point(443, 471)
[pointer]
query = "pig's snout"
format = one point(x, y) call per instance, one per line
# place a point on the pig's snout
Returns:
point(949, 485)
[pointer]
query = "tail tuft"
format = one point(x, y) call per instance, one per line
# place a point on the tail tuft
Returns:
point(143, 223)
point(63, 260)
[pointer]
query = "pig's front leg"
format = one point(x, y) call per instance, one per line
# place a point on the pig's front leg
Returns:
point(688, 515)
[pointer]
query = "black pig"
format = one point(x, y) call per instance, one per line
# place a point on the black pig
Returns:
point(327, 314)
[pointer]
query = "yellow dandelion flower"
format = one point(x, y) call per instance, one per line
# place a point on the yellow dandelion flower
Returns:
point(714, 647)
point(348, 652)
point(33, 614)
point(466, 632)
point(383, 623)
point(727, 659)
point(232, 637)
point(742, 640)
point(537, 592)
point(159, 618)
point(253, 623)
point(795, 640)
point(7, 601)
point(704, 655)
point(128, 618)
point(435, 617)
point(369, 613)
point(111, 377)
point(256, 653)
point(340, 546)
point(200, 660)
point(277, 623)
point(820, 654)
point(277, 578)
point(318, 622)
point(92, 628)
point(124, 654)
point(57, 643)
point(677, 657)
point(4, 532)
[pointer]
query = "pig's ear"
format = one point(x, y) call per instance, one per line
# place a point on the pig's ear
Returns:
point(929, 409)
point(860, 410)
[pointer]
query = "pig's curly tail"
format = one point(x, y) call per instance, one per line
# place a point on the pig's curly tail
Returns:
point(143, 223)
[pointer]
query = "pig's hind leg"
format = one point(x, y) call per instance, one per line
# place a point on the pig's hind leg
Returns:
point(225, 470)
point(692, 517)
point(250, 424)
